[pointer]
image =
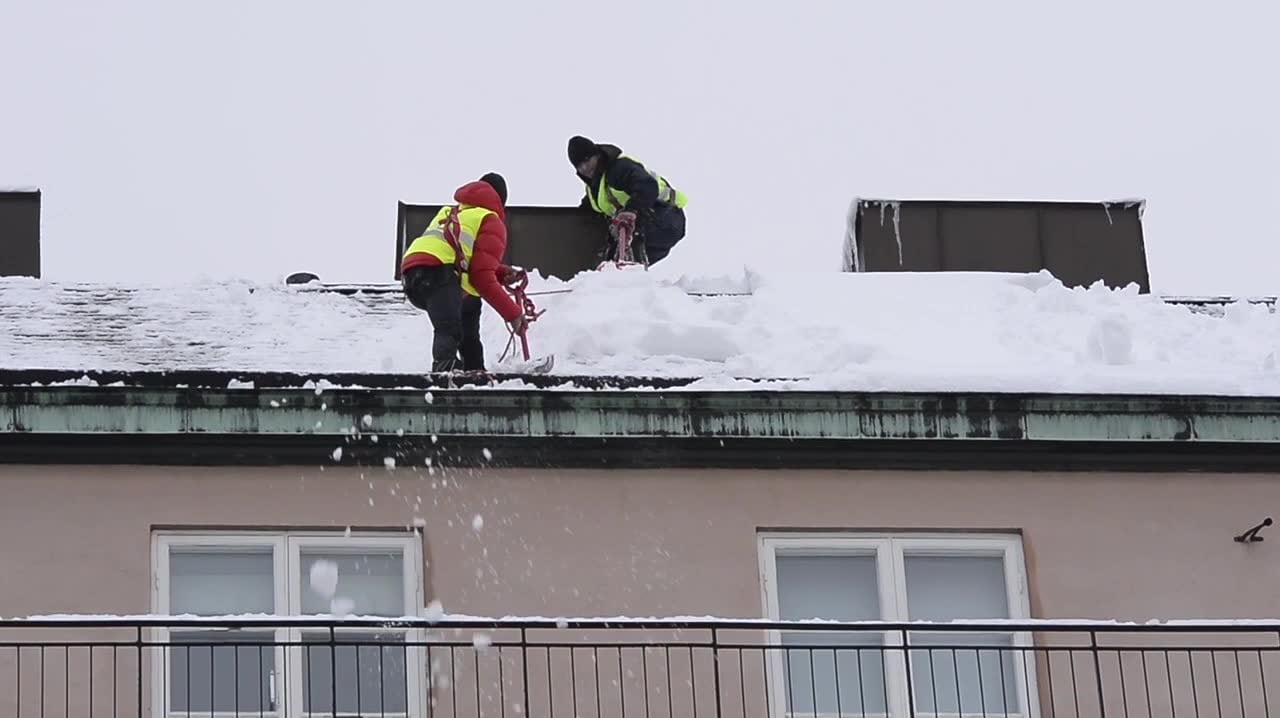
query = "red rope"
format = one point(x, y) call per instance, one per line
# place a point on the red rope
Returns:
point(530, 312)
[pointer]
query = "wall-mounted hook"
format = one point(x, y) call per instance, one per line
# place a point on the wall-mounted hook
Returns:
point(1252, 534)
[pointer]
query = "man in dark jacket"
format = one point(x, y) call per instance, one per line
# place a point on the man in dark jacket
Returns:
point(632, 197)
point(449, 287)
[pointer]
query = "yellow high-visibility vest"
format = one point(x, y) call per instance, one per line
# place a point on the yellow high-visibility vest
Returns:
point(609, 201)
point(434, 243)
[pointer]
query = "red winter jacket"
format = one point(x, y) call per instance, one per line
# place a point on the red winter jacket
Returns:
point(486, 256)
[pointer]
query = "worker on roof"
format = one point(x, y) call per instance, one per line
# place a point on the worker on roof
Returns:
point(632, 197)
point(454, 264)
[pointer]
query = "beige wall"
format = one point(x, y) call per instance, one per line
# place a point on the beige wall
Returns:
point(76, 539)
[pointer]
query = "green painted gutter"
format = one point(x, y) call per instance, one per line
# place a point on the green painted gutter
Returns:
point(775, 416)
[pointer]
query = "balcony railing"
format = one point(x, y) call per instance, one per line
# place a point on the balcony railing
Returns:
point(541, 668)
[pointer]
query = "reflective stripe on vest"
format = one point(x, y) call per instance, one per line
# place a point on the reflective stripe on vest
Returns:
point(433, 241)
point(609, 201)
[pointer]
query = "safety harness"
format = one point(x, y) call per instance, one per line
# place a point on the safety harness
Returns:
point(452, 231)
point(452, 228)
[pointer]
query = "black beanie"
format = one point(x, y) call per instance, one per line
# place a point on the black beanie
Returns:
point(580, 148)
point(499, 185)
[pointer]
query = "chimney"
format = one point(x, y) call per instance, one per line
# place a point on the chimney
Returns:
point(20, 233)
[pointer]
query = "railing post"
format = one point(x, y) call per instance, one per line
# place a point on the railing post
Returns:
point(524, 666)
point(1097, 670)
point(333, 670)
point(906, 664)
point(715, 666)
point(139, 646)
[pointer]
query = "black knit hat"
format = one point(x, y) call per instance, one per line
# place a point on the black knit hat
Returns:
point(581, 149)
point(499, 185)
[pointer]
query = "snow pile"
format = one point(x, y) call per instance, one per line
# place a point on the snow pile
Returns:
point(906, 332)
point(834, 331)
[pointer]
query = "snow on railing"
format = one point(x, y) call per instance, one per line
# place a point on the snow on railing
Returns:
point(463, 621)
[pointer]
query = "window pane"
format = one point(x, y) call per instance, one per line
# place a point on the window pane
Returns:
point(831, 587)
point(210, 582)
point(942, 588)
point(970, 671)
point(369, 674)
point(368, 582)
point(210, 672)
point(839, 588)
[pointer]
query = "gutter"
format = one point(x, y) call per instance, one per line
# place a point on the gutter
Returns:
point(605, 427)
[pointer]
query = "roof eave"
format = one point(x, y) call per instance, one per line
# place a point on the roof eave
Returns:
point(123, 424)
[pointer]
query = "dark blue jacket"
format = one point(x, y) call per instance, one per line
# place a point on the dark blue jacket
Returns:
point(625, 175)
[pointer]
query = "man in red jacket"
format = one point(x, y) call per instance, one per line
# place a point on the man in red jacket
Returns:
point(454, 264)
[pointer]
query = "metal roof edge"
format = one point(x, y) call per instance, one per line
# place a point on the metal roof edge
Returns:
point(418, 455)
point(649, 413)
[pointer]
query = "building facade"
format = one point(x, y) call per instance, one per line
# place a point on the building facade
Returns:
point(214, 498)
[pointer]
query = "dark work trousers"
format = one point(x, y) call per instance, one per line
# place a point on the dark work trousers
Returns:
point(664, 228)
point(656, 234)
point(454, 315)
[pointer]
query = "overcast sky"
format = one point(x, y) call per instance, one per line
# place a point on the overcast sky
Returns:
point(179, 138)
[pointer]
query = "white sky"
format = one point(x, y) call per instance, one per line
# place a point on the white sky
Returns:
point(179, 138)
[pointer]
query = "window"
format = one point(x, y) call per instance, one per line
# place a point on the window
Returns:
point(287, 672)
point(897, 578)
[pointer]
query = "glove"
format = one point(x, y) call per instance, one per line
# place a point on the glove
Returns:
point(519, 324)
point(510, 275)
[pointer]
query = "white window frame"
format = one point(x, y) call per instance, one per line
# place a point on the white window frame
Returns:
point(298, 542)
point(286, 548)
point(890, 550)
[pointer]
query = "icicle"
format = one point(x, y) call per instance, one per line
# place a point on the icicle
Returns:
point(1141, 204)
point(850, 236)
point(897, 228)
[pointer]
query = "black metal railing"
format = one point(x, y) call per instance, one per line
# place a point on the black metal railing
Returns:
point(541, 668)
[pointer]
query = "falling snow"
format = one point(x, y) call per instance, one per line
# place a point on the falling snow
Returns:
point(434, 610)
point(324, 577)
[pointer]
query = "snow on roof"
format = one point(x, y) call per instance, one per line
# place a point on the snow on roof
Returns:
point(975, 332)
